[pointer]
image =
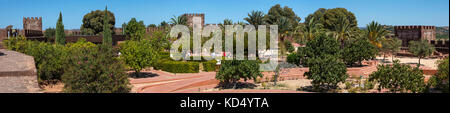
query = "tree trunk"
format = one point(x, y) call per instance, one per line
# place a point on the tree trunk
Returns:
point(137, 73)
point(392, 56)
point(419, 62)
point(384, 57)
point(235, 83)
point(360, 63)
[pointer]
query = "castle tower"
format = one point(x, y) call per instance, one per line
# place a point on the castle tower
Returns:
point(414, 33)
point(33, 23)
point(190, 18)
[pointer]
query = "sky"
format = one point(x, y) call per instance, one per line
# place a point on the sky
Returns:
point(387, 12)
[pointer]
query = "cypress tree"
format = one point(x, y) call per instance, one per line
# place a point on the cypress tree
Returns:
point(60, 35)
point(107, 36)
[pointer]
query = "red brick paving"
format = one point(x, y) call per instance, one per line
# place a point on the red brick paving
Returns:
point(194, 82)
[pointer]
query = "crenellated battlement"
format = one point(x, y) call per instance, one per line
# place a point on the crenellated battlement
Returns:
point(194, 14)
point(414, 27)
point(32, 23)
point(190, 18)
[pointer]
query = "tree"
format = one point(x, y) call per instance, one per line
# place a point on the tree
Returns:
point(107, 35)
point(309, 29)
point(398, 77)
point(95, 70)
point(181, 20)
point(284, 26)
point(255, 18)
point(276, 12)
point(163, 24)
point(60, 35)
point(395, 46)
point(326, 72)
point(138, 55)
point(50, 33)
point(330, 17)
point(343, 30)
point(440, 80)
point(391, 45)
point(421, 49)
point(293, 58)
point(151, 26)
point(321, 45)
point(232, 71)
point(358, 50)
point(322, 55)
point(93, 22)
point(376, 33)
point(135, 30)
point(289, 47)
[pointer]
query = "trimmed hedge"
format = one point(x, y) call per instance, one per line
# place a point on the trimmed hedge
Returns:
point(177, 66)
point(209, 65)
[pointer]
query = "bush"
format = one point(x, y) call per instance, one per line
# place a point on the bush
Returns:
point(440, 80)
point(138, 54)
point(95, 70)
point(358, 50)
point(232, 71)
point(293, 58)
point(16, 43)
point(177, 66)
point(320, 46)
point(164, 55)
point(399, 77)
point(50, 60)
point(326, 72)
point(209, 65)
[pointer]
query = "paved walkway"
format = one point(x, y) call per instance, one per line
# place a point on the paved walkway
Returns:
point(166, 82)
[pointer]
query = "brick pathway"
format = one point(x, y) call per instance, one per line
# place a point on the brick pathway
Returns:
point(167, 82)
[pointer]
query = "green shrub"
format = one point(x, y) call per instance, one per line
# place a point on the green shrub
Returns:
point(326, 72)
point(50, 60)
point(164, 55)
point(16, 43)
point(209, 65)
point(293, 58)
point(232, 71)
point(138, 54)
point(358, 50)
point(95, 70)
point(440, 81)
point(399, 78)
point(178, 66)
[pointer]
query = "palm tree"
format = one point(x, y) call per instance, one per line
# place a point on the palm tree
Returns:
point(178, 20)
point(376, 33)
point(226, 22)
point(163, 24)
point(255, 18)
point(240, 23)
point(283, 27)
point(343, 30)
point(309, 29)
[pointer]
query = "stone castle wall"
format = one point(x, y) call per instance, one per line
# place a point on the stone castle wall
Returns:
point(414, 33)
point(33, 23)
point(190, 18)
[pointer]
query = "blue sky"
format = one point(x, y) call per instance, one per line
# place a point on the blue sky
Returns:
point(390, 12)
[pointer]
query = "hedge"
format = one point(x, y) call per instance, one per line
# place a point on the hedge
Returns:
point(177, 66)
point(209, 65)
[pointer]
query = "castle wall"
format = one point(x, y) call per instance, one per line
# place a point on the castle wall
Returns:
point(190, 18)
point(414, 33)
point(33, 23)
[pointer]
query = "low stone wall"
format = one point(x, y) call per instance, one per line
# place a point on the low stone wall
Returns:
point(17, 73)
